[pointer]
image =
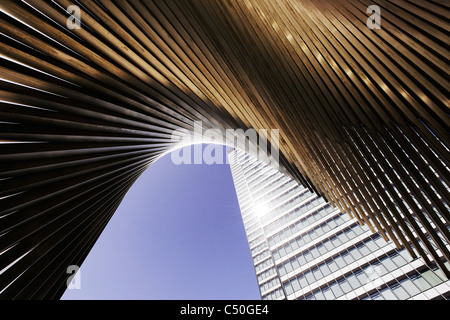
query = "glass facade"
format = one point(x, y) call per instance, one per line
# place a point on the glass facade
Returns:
point(303, 248)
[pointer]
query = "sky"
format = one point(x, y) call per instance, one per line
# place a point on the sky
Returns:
point(178, 234)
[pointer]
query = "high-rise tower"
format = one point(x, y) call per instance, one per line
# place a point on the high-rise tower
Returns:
point(303, 248)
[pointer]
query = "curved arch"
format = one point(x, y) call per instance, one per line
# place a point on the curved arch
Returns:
point(362, 113)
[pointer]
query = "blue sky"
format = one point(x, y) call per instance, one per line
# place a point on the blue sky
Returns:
point(178, 234)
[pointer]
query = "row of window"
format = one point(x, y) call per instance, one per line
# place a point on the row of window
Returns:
point(320, 213)
point(292, 205)
point(270, 284)
point(328, 244)
point(266, 274)
point(261, 256)
point(263, 265)
point(302, 224)
point(402, 289)
point(259, 247)
point(274, 295)
point(341, 260)
point(358, 277)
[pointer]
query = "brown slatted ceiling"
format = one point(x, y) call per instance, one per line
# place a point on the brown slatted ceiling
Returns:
point(362, 114)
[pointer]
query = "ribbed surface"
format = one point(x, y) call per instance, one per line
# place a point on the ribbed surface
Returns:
point(363, 114)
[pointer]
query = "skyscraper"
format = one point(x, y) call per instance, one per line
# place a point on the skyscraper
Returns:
point(303, 248)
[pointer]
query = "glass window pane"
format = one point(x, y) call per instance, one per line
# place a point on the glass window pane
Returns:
point(355, 254)
point(294, 245)
point(322, 249)
point(332, 265)
point(387, 262)
point(288, 288)
point(340, 262)
point(353, 281)
point(371, 245)
point(328, 294)
point(336, 242)
point(363, 250)
point(295, 285)
point(301, 259)
point(431, 277)
point(409, 286)
point(398, 260)
point(319, 295)
point(336, 290)
point(315, 253)
point(303, 282)
point(400, 293)
point(345, 286)
point(317, 273)
point(328, 245)
point(388, 295)
point(362, 277)
point(288, 267)
point(421, 283)
point(309, 277)
point(325, 270)
point(308, 256)
point(295, 264)
point(348, 258)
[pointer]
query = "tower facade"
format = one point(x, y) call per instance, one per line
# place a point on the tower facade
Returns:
point(303, 248)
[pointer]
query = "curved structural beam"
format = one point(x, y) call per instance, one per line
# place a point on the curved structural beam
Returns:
point(360, 99)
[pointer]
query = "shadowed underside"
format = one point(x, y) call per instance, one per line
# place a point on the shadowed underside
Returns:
point(362, 113)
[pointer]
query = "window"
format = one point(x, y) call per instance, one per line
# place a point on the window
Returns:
point(336, 290)
point(288, 288)
point(431, 277)
point(301, 259)
point(347, 258)
point(345, 286)
point(315, 253)
point(309, 277)
point(295, 264)
point(400, 292)
point(340, 262)
point(388, 295)
point(322, 249)
point(288, 267)
point(353, 281)
point(308, 256)
point(295, 285)
point(324, 269)
point(410, 287)
point(371, 245)
point(302, 281)
point(362, 277)
point(319, 295)
point(317, 274)
point(294, 245)
point(332, 265)
point(336, 242)
point(355, 254)
point(328, 294)
point(362, 248)
point(387, 262)
point(420, 282)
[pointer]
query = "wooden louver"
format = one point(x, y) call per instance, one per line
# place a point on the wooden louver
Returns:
point(363, 113)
